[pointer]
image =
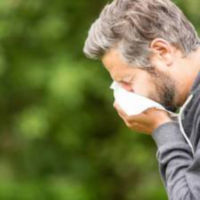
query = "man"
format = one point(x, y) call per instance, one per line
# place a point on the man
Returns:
point(150, 48)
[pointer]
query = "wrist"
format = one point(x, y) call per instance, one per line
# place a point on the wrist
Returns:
point(162, 121)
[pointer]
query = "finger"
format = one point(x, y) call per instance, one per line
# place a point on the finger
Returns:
point(124, 119)
point(133, 125)
point(119, 110)
point(136, 126)
point(133, 122)
point(124, 116)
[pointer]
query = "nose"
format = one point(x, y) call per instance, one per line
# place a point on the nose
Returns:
point(127, 86)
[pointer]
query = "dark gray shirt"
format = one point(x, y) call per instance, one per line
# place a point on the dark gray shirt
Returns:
point(179, 150)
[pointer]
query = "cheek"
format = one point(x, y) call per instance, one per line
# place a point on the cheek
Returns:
point(143, 87)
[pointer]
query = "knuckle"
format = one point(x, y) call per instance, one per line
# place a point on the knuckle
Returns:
point(128, 125)
point(129, 120)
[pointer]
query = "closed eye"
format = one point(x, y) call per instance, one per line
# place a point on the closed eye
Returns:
point(126, 86)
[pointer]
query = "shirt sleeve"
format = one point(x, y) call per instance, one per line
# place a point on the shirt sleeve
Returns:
point(179, 168)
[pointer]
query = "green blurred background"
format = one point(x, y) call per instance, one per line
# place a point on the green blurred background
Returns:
point(60, 137)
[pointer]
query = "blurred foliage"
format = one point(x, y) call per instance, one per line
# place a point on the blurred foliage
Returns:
point(60, 137)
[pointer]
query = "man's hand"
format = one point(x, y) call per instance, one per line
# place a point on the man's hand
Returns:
point(145, 122)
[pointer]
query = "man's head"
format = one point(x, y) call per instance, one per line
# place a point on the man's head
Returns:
point(150, 36)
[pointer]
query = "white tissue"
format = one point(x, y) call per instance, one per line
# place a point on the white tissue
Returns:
point(132, 103)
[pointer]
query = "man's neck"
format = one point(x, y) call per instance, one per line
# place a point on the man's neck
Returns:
point(194, 66)
point(191, 70)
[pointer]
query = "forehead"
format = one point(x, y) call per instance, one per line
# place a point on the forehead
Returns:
point(117, 66)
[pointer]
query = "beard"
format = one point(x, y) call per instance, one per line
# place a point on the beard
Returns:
point(166, 89)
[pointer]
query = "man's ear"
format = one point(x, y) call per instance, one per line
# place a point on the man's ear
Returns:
point(162, 50)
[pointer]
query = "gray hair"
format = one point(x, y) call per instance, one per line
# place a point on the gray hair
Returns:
point(133, 24)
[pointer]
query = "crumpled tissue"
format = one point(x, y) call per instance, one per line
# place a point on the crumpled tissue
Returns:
point(132, 103)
